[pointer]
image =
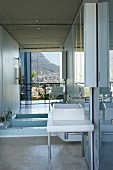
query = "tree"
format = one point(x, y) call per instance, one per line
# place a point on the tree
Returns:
point(33, 74)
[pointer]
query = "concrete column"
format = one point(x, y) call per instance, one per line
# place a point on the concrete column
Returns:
point(27, 76)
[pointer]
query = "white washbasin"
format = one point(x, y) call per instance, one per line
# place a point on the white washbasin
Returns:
point(56, 93)
point(106, 129)
point(68, 120)
point(61, 126)
point(66, 106)
point(57, 89)
point(68, 114)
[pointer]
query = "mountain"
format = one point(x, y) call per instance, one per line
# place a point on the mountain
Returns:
point(40, 63)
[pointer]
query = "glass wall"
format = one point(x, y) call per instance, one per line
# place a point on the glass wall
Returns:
point(45, 73)
point(105, 93)
point(79, 48)
point(84, 92)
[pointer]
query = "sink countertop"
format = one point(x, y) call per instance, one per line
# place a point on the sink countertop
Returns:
point(68, 125)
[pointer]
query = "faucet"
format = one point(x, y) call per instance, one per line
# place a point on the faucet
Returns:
point(70, 98)
point(9, 115)
point(76, 97)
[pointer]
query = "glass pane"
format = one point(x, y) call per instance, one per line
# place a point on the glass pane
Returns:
point(106, 103)
point(79, 49)
point(79, 76)
point(45, 74)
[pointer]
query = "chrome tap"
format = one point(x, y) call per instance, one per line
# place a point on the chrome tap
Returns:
point(9, 115)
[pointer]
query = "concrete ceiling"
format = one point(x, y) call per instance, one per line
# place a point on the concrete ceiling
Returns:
point(38, 24)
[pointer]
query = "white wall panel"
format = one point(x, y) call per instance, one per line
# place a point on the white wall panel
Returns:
point(10, 51)
point(90, 48)
point(103, 44)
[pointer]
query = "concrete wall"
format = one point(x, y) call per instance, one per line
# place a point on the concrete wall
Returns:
point(10, 96)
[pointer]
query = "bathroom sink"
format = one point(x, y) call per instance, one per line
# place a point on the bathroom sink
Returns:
point(60, 124)
point(71, 125)
point(108, 111)
point(27, 123)
point(56, 89)
point(22, 116)
point(68, 114)
point(66, 106)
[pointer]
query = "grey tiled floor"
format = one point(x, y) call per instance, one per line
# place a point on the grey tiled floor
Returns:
point(32, 154)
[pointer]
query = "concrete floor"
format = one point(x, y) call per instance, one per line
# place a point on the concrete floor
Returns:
point(32, 154)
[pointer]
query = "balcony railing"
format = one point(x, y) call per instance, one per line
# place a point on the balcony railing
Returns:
point(38, 91)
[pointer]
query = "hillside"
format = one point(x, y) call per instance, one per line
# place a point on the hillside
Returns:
point(39, 61)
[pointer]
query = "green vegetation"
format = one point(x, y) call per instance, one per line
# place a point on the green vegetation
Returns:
point(33, 74)
point(41, 94)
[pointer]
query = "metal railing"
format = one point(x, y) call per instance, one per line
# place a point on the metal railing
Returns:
point(38, 91)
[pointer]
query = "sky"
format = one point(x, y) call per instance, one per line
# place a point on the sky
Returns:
point(53, 57)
